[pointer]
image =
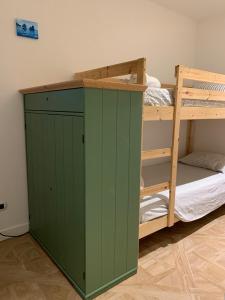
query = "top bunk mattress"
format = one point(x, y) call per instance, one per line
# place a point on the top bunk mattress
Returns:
point(165, 97)
point(199, 192)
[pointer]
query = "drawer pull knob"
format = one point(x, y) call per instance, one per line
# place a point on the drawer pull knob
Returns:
point(46, 98)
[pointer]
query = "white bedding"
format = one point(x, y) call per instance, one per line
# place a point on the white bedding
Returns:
point(165, 97)
point(199, 192)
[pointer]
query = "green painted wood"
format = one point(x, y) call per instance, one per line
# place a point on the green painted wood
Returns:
point(84, 198)
point(56, 188)
point(134, 179)
point(109, 164)
point(65, 100)
point(30, 170)
point(93, 187)
point(122, 182)
point(59, 177)
point(112, 177)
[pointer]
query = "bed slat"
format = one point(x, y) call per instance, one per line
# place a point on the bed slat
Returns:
point(201, 75)
point(154, 225)
point(153, 189)
point(156, 153)
point(204, 95)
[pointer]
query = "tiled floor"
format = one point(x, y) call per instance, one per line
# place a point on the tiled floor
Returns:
point(181, 263)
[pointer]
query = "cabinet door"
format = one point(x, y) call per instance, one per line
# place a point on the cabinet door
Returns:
point(56, 188)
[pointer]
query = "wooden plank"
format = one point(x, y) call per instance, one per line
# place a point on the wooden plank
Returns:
point(31, 136)
point(158, 113)
point(122, 182)
point(49, 172)
point(204, 95)
point(154, 189)
point(141, 71)
point(108, 206)
point(73, 191)
point(93, 189)
point(129, 67)
point(201, 75)
point(202, 113)
point(134, 180)
point(92, 83)
point(156, 153)
point(175, 144)
point(152, 226)
point(60, 196)
point(153, 113)
point(168, 86)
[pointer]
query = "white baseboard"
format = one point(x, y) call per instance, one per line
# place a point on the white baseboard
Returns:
point(14, 230)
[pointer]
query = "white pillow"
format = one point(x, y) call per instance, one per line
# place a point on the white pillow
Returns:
point(207, 160)
point(151, 81)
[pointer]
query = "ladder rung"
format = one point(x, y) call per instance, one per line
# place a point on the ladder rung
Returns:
point(150, 190)
point(155, 153)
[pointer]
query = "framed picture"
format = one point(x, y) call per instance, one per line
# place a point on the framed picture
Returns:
point(27, 28)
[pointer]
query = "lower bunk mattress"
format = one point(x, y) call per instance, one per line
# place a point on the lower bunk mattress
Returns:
point(199, 192)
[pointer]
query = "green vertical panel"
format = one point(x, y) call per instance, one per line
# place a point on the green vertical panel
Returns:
point(93, 190)
point(59, 199)
point(35, 171)
point(56, 188)
point(40, 151)
point(67, 124)
point(112, 173)
point(49, 205)
point(134, 179)
point(69, 221)
point(122, 182)
point(109, 148)
point(77, 205)
point(30, 170)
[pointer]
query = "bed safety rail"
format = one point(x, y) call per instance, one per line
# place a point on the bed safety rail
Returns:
point(203, 76)
point(131, 67)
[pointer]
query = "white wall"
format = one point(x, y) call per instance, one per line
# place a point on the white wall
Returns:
point(75, 35)
point(209, 134)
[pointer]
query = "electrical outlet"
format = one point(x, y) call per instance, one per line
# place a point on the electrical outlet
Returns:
point(3, 206)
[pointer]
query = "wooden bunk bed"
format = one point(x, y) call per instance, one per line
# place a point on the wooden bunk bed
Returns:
point(175, 113)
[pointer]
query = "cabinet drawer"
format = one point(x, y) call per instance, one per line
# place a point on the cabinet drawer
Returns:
point(66, 100)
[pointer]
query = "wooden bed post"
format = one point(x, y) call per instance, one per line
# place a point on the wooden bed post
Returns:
point(141, 69)
point(190, 133)
point(175, 143)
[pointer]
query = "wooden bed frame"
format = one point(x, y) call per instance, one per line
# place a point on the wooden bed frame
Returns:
point(175, 113)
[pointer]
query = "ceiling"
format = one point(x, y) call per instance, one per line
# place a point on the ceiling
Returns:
point(196, 9)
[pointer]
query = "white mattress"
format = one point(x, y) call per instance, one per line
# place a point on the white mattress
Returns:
point(199, 192)
point(165, 97)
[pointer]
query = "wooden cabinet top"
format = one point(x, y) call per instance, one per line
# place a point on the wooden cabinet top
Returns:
point(85, 83)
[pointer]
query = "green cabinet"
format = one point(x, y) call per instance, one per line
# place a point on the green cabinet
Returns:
point(83, 166)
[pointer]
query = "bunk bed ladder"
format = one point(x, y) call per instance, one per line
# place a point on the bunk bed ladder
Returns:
point(169, 152)
point(175, 143)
